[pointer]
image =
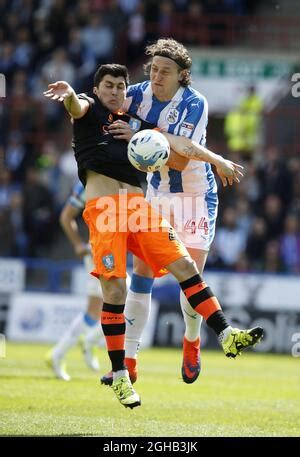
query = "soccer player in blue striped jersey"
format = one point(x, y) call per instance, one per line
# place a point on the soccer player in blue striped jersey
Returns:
point(85, 324)
point(187, 198)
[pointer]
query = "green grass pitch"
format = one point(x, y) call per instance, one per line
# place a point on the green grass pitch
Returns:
point(254, 395)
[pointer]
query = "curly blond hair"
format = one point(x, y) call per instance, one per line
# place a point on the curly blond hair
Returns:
point(167, 47)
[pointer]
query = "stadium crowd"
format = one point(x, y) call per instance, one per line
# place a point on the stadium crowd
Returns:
point(46, 40)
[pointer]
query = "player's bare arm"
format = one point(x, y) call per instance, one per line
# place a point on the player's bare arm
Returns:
point(63, 92)
point(183, 150)
point(228, 171)
point(69, 225)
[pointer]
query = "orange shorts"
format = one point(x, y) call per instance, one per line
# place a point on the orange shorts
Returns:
point(126, 222)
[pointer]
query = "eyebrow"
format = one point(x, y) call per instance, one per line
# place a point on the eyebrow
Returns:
point(164, 67)
point(109, 81)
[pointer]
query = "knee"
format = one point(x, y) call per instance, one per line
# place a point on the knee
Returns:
point(188, 267)
point(184, 268)
point(114, 293)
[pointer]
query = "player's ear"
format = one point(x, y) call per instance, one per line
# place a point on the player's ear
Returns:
point(181, 75)
point(95, 90)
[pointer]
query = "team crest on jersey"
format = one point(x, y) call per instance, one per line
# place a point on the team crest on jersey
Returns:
point(109, 262)
point(135, 124)
point(186, 129)
point(172, 116)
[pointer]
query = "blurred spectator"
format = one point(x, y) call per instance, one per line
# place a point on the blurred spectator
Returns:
point(39, 215)
point(249, 187)
point(193, 31)
point(243, 127)
point(99, 5)
point(23, 49)
point(274, 216)
point(272, 259)
point(214, 260)
point(82, 58)
point(181, 6)
point(118, 22)
point(136, 35)
point(290, 244)
point(7, 61)
point(217, 26)
point(242, 264)
point(58, 68)
point(129, 6)
point(23, 9)
point(56, 19)
point(234, 7)
point(256, 243)
point(44, 40)
point(275, 177)
point(99, 38)
point(230, 239)
point(244, 216)
point(83, 13)
point(6, 188)
point(6, 234)
point(165, 21)
point(20, 239)
point(58, 172)
point(16, 156)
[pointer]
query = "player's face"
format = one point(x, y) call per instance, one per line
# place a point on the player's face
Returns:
point(111, 92)
point(165, 75)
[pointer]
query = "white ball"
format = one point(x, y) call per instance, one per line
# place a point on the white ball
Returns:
point(148, 150)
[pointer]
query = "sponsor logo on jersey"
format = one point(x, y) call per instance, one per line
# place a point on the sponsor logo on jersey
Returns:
point(172, 116)
point(186, 129)
point(109, 262)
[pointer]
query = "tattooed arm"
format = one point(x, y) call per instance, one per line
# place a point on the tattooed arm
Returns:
point(227, 170)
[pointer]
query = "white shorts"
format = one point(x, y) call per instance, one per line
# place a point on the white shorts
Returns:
point(93, 284)
point(192, 215)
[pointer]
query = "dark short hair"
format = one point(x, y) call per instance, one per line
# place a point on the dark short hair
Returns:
point(113, 69)
point(167, 47)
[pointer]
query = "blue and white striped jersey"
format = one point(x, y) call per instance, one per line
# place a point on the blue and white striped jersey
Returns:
point(77, 198)
point(185, 115)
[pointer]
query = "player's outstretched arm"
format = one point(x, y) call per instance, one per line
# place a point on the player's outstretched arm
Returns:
point(63, 92)
point(228, 171)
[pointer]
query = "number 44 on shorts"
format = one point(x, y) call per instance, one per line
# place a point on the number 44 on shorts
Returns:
point(191, 225)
